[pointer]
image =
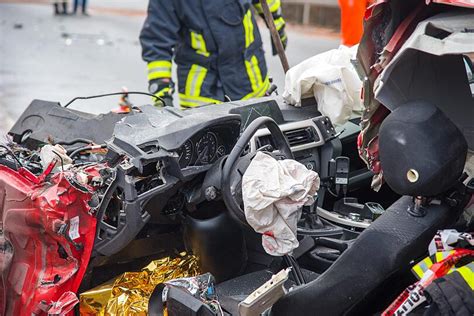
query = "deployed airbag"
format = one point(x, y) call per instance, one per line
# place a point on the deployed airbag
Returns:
point(274, 192)
point(331, 79)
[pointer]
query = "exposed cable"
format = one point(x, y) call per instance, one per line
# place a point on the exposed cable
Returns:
point(75, 141)
point(111, 94)
point(86, 148)
point(12, 154)
point(60, 158)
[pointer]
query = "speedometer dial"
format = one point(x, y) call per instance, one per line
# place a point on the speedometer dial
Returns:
point(206, 148)
point(186, 154)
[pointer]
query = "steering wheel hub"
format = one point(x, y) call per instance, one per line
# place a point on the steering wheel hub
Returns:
point(236, 165)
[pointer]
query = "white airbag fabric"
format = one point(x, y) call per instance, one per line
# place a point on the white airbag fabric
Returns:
point(274, 192)
point(331, 79)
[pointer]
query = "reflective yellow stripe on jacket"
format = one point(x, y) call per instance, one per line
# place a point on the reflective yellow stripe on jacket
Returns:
point(248, 28)
point(192, 91)
point(467, 274)
point(159, 69)
point(274, 5)
point(258, 84)
point(196, 76)
point(162, 92)
point(198, 44)
point(192, 101)
point(195, 79)
point(279, 23)
point(421, 267)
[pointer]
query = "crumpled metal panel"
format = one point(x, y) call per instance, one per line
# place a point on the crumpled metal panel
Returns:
point(424, 56)
point(129, 293)
point(46, 241)
point(388, 25)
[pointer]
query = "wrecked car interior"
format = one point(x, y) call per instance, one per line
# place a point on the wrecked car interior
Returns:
point(150, 206)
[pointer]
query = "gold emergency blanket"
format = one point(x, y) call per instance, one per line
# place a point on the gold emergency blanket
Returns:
point(128, 294)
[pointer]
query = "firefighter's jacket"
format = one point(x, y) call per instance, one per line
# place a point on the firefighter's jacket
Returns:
point(216, 45)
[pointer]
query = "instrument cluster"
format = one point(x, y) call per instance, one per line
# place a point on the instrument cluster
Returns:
point(205, 147)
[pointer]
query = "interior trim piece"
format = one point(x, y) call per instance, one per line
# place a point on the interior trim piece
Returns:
point(289, 127)
point(337, 218)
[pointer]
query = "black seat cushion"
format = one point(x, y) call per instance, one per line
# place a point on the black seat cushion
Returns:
point(360, 273)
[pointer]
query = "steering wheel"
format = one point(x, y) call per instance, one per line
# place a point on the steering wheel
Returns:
point(235, 165)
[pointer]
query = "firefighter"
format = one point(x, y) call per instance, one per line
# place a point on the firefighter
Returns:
point(216, 45)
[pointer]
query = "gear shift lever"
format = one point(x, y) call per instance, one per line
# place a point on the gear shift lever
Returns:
point(310, 223)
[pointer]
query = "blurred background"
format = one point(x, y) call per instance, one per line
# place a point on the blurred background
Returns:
point(59, 57)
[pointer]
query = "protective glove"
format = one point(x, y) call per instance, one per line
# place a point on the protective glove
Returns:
point(162, 88)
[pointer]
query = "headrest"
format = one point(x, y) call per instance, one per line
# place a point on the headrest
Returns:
point(421, 151)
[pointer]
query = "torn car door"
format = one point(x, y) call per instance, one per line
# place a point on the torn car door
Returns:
point(48, 230)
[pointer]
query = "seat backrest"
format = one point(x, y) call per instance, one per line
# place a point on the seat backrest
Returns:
point(386, 247)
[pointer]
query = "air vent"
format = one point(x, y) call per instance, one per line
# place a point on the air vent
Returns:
point(300, 136)
point(297, 137)
point(265, 141)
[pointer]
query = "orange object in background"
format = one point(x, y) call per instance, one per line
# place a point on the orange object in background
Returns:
point(352, 17)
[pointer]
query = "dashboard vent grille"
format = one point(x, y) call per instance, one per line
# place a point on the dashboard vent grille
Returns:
point(300, 136)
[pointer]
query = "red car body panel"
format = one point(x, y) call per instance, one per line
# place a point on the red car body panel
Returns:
point(47, 237)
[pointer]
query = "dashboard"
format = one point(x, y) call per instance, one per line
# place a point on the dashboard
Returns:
point(207, 146)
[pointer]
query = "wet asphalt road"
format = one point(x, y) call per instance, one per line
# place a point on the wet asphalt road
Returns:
point(58, 58)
